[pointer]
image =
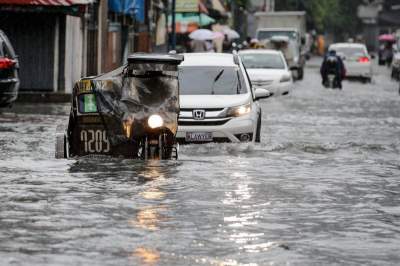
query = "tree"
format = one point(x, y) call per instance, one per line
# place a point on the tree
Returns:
point(335, 16)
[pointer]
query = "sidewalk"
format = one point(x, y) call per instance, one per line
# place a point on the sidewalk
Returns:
point(43, 97)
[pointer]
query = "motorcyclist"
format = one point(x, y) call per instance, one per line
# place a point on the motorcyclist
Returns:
point(333, 64)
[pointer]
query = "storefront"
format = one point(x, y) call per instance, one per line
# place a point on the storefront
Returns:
point(51, 40)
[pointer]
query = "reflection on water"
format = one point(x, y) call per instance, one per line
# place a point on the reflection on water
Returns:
point(147, 256)
point(153, 194)
point(149, 218)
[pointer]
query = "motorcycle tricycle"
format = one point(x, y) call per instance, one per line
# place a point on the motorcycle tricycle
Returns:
point(131, 112)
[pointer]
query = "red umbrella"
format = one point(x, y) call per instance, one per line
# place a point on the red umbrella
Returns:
point(387, 38)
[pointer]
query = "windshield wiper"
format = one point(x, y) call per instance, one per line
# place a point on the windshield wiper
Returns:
point(216, 79)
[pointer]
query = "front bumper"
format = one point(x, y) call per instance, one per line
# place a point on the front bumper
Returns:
point(358, 70)
point(228, 132)
point(8, 91)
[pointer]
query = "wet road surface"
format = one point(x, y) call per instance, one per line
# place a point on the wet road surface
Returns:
point(322, 189)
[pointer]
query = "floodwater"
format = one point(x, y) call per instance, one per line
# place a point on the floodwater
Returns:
point(322, 189)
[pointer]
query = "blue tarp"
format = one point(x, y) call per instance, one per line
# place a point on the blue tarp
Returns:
point(133, 8)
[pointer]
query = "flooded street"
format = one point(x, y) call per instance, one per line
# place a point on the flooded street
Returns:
point(323, 188)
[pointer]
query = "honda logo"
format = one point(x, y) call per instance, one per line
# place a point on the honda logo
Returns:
point(199, 114)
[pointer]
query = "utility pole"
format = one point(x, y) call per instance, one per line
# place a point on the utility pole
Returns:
point(269, 5)
point(173, 25)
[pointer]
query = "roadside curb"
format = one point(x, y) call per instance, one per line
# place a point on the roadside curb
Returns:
point(43, 97)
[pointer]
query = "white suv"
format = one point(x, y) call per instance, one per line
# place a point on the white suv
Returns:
point(217, 102)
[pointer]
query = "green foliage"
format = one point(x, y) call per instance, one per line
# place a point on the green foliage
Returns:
point(337, 16)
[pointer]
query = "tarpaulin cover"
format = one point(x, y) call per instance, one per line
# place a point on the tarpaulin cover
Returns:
point(133, 8)
point(134, 92)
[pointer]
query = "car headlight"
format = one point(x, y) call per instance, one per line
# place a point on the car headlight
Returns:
point(239, 110)
point(155, 121)
point(285, 78)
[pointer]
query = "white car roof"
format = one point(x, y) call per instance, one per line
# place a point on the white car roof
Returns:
point(208, 59)
point(260, 51)
point(343, 45)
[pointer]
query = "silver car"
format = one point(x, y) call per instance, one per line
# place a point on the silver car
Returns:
point(356, 60)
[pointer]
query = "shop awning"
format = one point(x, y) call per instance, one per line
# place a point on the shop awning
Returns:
point(46, 2)
point(187, 18)
point(133, 8)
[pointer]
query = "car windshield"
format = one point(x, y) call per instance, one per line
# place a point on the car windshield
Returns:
point(260, 60)
point(206, 80)
point(263, 35)
point(350, 52)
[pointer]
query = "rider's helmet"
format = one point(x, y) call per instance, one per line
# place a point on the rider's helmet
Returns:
point(332, 60)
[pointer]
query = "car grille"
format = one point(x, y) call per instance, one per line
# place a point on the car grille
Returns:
point(210, 113)
point(210, 122)
point(205, 109)
point(262, 83)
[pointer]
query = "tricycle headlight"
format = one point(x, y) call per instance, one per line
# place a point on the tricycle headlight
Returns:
point(239, 110)
point(155, 121)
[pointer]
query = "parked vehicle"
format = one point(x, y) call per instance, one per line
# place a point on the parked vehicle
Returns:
point(286, 41)
point(217, 101)
point(130, 112)
point(283, 19)
point(268, 69)
point(356, 59)
point(287, 24)
point(9, 65)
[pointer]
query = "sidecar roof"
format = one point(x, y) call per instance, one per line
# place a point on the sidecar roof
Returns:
point(140, 58)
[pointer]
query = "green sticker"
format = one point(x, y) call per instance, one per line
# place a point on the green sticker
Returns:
point(89, 101)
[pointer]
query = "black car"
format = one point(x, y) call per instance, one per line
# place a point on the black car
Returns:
point(9, 80)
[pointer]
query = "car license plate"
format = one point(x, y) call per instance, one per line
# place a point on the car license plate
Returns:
point(199, 136)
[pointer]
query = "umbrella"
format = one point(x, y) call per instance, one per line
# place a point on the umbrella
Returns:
point(202, 34)
point(218, 35)
point(387, 38)
point(232, 34)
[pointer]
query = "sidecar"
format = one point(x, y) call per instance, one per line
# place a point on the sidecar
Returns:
point(131, 112)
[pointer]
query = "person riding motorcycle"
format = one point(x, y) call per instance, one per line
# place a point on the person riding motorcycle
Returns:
point(333, 64)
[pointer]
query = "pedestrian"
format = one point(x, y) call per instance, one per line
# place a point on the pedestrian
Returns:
point(210, 46)
point(227, 44)
point(199, 46)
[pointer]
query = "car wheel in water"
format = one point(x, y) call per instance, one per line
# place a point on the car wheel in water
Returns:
point(258, 131)
point(300, 74)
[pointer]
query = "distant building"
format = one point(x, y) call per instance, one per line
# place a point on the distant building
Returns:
point(379, 17)
point(60, 41)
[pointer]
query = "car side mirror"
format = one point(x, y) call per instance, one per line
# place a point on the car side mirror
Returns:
point(260, 93)
point(372, 56)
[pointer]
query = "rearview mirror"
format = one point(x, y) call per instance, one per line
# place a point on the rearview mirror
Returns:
point(260, 93)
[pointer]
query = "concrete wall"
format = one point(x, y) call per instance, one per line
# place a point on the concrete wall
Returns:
point(73, 52)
